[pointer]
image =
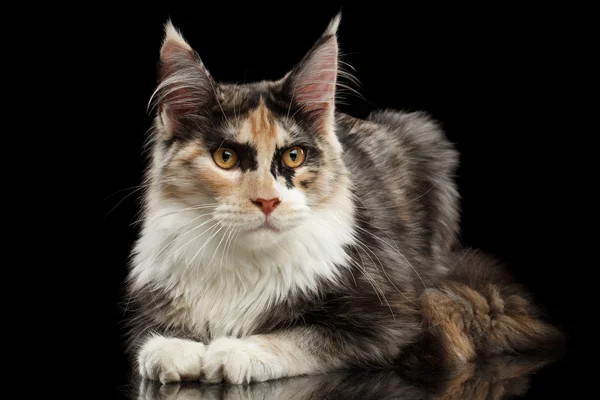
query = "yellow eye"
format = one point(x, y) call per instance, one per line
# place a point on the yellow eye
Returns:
point(293, 157)
point(225, 158)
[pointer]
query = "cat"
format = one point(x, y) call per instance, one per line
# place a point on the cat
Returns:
point(281, 237)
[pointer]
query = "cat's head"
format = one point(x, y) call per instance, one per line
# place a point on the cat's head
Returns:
point(259, 157)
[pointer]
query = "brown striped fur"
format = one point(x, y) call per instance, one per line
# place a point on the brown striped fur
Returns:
point(479, 311)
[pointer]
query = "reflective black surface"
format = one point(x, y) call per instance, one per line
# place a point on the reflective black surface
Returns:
point(498, 378)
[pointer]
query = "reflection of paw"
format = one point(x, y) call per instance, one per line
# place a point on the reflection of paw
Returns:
point(171, 359)
point(239, 361)
point(146, 391)
point(153, 390)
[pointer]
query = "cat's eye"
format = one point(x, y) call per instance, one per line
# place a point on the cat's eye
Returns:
point(293, 157)
point(225, 158)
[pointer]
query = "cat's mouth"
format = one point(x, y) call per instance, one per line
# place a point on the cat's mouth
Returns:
point(265, 226)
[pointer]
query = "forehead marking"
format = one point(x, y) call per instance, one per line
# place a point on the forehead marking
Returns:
point(262, 124)
point(261, 130)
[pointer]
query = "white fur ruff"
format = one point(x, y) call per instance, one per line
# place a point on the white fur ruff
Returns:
point(225, 294)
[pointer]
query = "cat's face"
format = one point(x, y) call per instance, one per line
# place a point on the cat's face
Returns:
point(258, 158)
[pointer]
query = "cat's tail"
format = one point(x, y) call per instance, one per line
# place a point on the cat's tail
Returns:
point(479, 311)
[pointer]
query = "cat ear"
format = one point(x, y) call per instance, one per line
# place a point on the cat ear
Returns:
point(311, 84)
point(185, 86)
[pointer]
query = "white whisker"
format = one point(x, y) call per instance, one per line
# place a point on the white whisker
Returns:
point(122, 200)
point(216, 251)
point(397, 250)
point(212, 235)
point(196, 237)
point(227, 242)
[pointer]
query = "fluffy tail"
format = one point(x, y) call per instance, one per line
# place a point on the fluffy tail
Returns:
point(478, 311)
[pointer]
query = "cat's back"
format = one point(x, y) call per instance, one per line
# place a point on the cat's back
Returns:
point(402, 168)
point(387, 140)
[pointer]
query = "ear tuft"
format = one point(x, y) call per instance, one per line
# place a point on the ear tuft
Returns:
point(333, 26)
point(312, 82)
point(185, 86)
point(173, 38)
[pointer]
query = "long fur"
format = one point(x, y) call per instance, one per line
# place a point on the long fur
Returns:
point(357, 266)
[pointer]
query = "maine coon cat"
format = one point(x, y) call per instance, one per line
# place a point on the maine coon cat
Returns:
point(282, 238)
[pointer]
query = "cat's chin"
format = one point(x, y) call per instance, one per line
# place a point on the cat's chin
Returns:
point(263, 236)
point(260, 239)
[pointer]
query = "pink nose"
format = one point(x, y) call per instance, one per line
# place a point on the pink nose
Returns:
point(267, 206)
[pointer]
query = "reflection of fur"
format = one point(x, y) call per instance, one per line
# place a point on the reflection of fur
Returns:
point(479, 311)
point(337, 385)
point(493, 379)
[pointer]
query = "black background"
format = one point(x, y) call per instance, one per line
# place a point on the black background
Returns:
point(500, 81)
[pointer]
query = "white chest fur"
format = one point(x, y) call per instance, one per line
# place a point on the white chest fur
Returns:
point(227, 292)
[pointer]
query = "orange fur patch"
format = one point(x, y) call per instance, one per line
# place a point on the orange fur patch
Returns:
point(263, 130)
point(448, 322)
point(184, 178)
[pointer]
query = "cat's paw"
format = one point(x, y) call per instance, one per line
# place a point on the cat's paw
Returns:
point(171, 359)
point(239, 361)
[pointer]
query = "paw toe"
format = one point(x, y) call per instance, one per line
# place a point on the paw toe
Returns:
point(236, 361)
point(171, 360)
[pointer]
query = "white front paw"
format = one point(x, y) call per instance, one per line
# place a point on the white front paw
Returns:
point(171, 359)
point(239, 361)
